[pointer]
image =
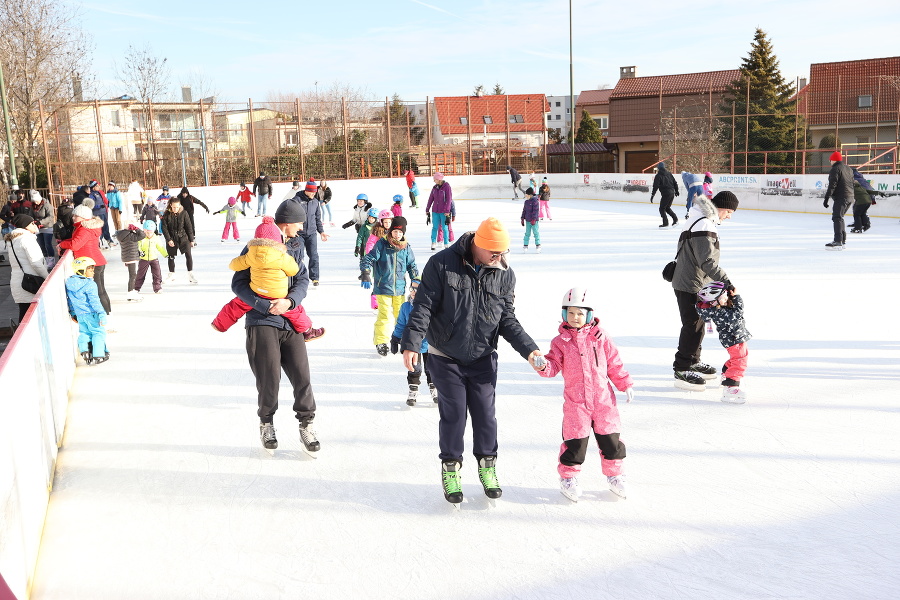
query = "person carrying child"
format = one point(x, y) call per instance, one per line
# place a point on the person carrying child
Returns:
point(129, 238)
point(413, 378)
point(231, 210)
point(271, 268)
point(590, 365)
point(529, 218)
point(720, 303)
point(389, 261)
point(150, 250)
point(85, 308)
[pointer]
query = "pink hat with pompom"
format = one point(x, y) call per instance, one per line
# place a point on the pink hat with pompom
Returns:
point(268, 230)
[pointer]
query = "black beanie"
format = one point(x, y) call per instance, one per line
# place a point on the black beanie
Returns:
point(725, 199)
point(290, 212)
point(21, 221)
point(399, 223)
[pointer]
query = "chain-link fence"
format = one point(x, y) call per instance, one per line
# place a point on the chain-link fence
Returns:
point(203, 143)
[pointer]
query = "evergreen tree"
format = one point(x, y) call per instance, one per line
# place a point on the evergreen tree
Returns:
point(768, 122)
point(498, 91)
point(478, 91)
point(588, 131)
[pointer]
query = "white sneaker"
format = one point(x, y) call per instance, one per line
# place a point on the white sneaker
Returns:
point(733, 395)
point(617, 485)
point(191, 277)
point(170, 278)
point(569, 488)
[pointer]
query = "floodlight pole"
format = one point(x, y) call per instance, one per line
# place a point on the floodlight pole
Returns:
point(571, 97)
point(13, 180)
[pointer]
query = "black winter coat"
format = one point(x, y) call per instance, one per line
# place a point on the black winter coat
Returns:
point(188, 201)
point(664, 182)
point(262, 185)
point(177, 228)
point(462, 312)
point(840, 183)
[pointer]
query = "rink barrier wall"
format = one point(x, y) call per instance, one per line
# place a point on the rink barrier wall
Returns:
point(36, 372)
point(779, 193)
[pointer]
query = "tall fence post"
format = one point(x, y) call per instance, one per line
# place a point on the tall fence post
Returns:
point(468, 133)
point(733, 110)
point(545, 137)
point(428, 131)
point(346, 138)
point(103, 170)
point(508, 148)
point(675, 139)
point(46, 150)
point(837, 115)
point(300, 142)
point(387, 113)
point(153, 158)
point(251, 131)
point(62, 177)
point(747, 132)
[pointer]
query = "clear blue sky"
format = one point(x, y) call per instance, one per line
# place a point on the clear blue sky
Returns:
point(438, 47)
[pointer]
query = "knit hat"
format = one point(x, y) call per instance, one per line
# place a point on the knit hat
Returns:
point(544, 180)
point(150, 224)
point(439, 176)
point(268, 230)
point(725, 199)
point(399, 223)
point(836, 156)
point(21, 221)
point(290, 212)
point(85, 209)
point(529, 192)
point(93, 183)
point(295, 184)
point(165, 188)
point(232, 201)
point(36, 196)
point(492, 235)
point(311, 186)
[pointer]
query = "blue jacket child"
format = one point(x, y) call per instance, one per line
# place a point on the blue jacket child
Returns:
point(85, 307)
point(413, 378)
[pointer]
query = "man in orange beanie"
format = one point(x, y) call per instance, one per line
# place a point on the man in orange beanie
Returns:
point(840, 187)
point(464, 303)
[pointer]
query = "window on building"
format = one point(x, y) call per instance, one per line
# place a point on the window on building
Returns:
point(488, 120)
point(114, 117)
point(864, 101)
point(520, 118)
point(862, 139)
point(463, 121)
point(557, 103)
point(602, 122)
point(120, 152)
point(291, 138)
point(558, 117)
point(549, 118)
point(567, 111)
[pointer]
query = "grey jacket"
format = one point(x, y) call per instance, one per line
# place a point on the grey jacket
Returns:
point(698, 251)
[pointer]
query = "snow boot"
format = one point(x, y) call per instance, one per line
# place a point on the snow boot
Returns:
point(413, 394)
point(487, 473)
point(313, 333)
point(267, 436)
point(451, 481)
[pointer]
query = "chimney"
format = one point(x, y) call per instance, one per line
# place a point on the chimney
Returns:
point(627, 72)
point(186, 93)
point(802, 84)
point(77, 93)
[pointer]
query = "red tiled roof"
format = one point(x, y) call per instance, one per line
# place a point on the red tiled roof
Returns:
point(450, 109)
point(852, 78)
point(590, 97)
point(686, 83)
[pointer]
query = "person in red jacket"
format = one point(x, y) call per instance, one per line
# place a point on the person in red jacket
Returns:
point(243, 196)
point(85, 241)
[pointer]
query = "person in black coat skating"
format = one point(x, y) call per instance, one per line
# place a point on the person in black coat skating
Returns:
point(179, 233)
point(668, 189)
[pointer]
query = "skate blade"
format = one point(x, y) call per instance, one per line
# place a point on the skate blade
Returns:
point(573, 499)
point(689, 387)
point(618, 495)
point(310, 453)
point(270, 451)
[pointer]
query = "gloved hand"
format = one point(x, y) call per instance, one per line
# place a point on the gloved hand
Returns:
point(133, 227)
point(523, 222)
point(395, 344)
point(651, 198)
point(533, 223)
point(218, 211)
point(454, 218)
point(356, 252)
point(677, 193)
point(366, 279)
point(193, 244)
point(825, 204)
point(346, 225)
point(207, 211)
point(243, 213)
point(428, 218)
point(447, 215)
point(629, 395)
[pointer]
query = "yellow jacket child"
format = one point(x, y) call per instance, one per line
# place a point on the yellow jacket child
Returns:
point(269, 263)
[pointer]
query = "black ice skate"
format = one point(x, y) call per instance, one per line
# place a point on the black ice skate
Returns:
point(451, 481)
point(86, 356)
point(267, 436)
point(487, 473)
point(413, 394)
point(308, 436)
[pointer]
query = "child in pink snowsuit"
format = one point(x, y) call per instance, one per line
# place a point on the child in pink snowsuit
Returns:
point(589, 362)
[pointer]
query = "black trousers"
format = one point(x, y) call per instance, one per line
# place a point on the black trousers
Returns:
point(665, 206)
point(310, 242)
point(132, 274)
point(415, 377)
point(838, 210)
point(186, 250)
point(23, 308)
point(692, 332)
point(270, 350)
point(469, 388)
point(99, 272)
point(412, 198)
point(860, 217)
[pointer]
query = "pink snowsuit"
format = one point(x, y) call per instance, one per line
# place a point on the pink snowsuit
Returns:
point(590, 368)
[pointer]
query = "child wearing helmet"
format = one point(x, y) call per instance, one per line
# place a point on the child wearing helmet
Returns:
point(379, 231)
point(387, 264)
point(365, 230)
point(150, 250)
point(397, 206)
point(231, 210)
point(359, 213)
point(590, 365)
point(84, 307)
point(721, 304)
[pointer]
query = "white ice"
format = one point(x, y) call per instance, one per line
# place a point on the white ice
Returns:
point(163, 489)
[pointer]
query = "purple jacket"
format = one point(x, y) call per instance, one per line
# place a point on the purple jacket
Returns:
point(532, 209)
point(441, 198)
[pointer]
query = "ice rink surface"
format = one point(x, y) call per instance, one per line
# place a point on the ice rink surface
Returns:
point(164, 491)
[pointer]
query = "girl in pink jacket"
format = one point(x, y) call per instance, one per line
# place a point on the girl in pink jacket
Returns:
point(590, 365)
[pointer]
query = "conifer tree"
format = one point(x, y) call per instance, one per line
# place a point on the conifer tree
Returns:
point(588, 131)
point(769, 122)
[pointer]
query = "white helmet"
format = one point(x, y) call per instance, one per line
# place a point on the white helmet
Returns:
point(578, 297)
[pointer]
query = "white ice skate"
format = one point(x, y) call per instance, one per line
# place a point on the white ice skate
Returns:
point(733, 395)
point(170, 277)
point(569, 488)
point(191, 277)
point(617, 485)
point(134, 296)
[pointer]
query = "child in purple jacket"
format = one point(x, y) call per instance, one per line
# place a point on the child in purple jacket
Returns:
point(531, 219)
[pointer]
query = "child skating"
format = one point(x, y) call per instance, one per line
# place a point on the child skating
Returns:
point(397, 206)
point(85, 308)
point(589, 362)
point(544, 195)
point(725, 308)
point(150, 250)
point(413, 378)
point(243, 196)
point(387, 264)
point(231, 210)
point(530, 220)
point(271, 268)
point(129, 238)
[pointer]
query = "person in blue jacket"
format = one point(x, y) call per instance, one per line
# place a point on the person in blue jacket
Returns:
point(390, 259)
point(83, 299)
point(413, 378)
point(693, 185)
point(114, 197)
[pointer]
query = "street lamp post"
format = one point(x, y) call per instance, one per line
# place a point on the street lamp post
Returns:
point(571, 97)
point(13, 180)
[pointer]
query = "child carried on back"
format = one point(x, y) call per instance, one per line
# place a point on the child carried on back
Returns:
point(270, 269)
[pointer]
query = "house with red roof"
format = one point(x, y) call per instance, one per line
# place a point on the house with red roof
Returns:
point(637, 105)
point(491, 120)
point(596, 103)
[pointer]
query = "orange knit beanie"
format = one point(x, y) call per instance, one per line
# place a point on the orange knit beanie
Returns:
point(492, 235)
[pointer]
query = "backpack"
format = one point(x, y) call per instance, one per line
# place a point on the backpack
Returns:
point(65, 224)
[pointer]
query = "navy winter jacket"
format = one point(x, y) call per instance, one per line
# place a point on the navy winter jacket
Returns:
point(313, 211)
point(297, 288)
point(531, 211)
point(729, 322)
